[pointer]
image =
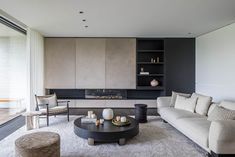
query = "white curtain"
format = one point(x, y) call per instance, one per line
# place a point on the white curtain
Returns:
point(35, 47)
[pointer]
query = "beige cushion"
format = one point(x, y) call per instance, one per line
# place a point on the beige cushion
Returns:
point(228, 105)
point(203, 103)
point(163, 101)
point(220, 113)
point(51, 100)
point(196, 129)
point(212, 107)
point(184, 103)
point(171, 114)
point(55, 110)
point(174, 95)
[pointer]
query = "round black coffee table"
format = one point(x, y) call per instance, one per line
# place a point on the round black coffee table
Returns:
point(106, 132)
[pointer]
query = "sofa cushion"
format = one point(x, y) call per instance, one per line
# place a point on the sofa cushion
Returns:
point(184, 103)
point(203, 103)
point(228, 105)
point(174, 95)
point(211, 108)
point(220, 113)
point(171, 114)
point(196, 129)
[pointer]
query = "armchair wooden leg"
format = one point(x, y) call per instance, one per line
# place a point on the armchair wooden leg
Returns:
point(68, 111)
point(47, 120)
point(47, 115)
point(68, 115)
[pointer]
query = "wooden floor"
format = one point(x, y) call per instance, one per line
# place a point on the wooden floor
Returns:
point(8, 114)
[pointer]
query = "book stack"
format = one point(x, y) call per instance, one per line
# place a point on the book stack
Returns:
point(88, 120)
point(144, 73)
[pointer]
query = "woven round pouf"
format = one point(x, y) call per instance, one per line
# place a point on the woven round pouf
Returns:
point(39, 144)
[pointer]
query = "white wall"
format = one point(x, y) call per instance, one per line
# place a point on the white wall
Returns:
point(215, 63)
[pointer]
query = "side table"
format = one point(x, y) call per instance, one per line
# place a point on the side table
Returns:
point(32, 119)
point(141, 113)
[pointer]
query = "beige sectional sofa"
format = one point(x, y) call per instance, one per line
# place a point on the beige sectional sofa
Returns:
point(216, 137)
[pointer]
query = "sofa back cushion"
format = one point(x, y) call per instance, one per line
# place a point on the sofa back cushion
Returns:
point(211, 108)
point(228, 105)
point(203, 103)
point(174, 95)
point(184, 103)
point(220, 113)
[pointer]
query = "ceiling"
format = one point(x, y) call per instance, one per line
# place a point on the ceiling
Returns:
point(8, 32)
point(122, 18)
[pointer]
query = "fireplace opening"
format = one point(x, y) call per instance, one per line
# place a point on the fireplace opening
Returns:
point(105, 94)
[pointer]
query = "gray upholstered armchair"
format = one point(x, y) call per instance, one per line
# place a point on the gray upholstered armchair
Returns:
point(49, 105)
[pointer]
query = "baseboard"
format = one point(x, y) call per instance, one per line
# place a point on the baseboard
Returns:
point(120, 111)
point(11, 126)
point(213, 154)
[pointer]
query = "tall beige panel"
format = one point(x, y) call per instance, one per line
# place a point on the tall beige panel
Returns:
point(120, 63)
point(60, 62)
point(90, 63)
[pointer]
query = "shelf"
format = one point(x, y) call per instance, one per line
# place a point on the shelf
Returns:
point(150, 88)
point(150, 75)
point(150, 50)
point(151, 63)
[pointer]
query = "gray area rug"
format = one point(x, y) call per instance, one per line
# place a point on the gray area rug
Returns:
point(156, 139)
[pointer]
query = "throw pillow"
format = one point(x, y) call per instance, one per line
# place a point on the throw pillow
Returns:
point(228, 105)
point(187, 104)
point(51, 100)
point(211, 108)
point(220, 113)
point(174, 95)
point(203, 103)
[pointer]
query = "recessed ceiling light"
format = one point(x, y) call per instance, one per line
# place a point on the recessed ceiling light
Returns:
point(84, 20)
point(81, 12)
point(86, 26)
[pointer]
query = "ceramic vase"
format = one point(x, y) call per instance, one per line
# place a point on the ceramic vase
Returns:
point(154, 83)
point(107, 114)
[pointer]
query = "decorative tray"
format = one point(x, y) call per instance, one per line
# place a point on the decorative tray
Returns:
point(119, 123)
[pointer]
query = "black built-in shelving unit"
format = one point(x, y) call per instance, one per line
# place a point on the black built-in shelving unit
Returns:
point(150, 57)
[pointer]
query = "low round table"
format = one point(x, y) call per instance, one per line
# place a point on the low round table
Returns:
point(106, 132)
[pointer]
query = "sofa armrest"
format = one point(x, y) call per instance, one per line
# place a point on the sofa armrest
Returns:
point(163, 102)
point(222, 137)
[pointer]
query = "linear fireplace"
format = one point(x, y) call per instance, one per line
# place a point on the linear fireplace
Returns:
point(105, 94)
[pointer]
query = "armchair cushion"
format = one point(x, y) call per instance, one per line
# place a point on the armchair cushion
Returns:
point(51, 100)
point(55, 110)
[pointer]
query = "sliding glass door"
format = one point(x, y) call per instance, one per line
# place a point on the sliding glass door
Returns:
point(13, 73)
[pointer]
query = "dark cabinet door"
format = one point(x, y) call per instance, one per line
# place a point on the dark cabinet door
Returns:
point(180, 65)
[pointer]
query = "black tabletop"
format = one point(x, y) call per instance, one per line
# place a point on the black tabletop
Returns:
point(106, 127)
